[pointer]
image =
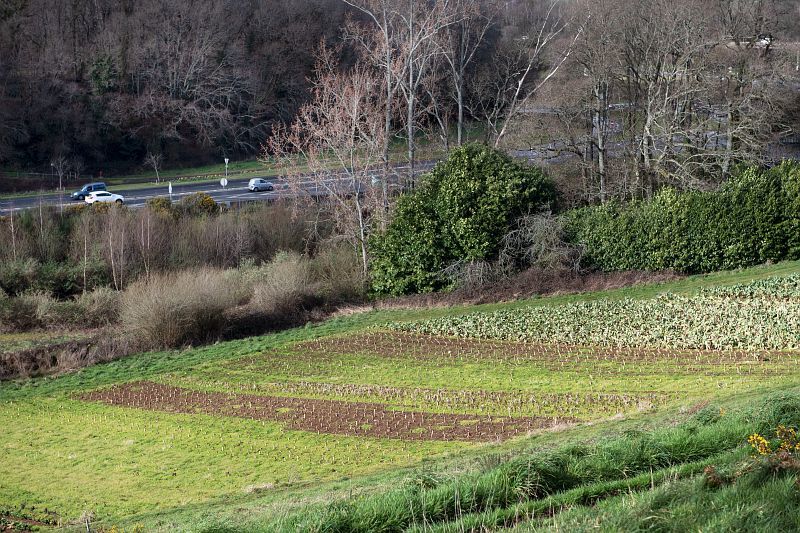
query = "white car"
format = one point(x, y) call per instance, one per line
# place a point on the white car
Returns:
point(260, 184)
point(104, 197)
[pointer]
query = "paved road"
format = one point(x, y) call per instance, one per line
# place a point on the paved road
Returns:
point(235, 192)
point(137, 197)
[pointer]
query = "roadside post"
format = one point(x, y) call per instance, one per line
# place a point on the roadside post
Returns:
point(170, 192)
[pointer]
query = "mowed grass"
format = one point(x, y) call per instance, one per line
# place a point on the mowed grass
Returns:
point(66, 456)
point(116, 462)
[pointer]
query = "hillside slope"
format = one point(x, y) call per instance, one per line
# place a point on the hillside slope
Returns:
point(565, 412)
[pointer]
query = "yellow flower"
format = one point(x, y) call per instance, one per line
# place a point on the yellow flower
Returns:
point(759, 444)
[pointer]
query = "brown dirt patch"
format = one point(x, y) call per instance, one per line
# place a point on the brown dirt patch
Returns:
point(557, 356)
point(10, 523)
point(42, 360)
point(323, 416)
point(49, 359)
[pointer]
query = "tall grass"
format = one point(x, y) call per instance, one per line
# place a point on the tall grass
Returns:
point(495, 497)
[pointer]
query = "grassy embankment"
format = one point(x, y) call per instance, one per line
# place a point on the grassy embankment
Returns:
point(64, 456)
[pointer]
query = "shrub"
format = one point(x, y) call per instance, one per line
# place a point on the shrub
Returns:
point(339, 272)
point(280, 286)
point(99, 307)
point(47, 311)
point(538, 241)
point(473, 274)
point(752, 219)
point(459, 213)
point(174, 309)
point(59, 279)
point(17, 277)
point(76, 209)
point(161, 205)
point(18, 314)
point(198, 203)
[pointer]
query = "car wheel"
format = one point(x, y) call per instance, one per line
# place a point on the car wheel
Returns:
point(119, 202)
point(270, 188)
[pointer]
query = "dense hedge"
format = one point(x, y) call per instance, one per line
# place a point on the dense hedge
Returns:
point(752, 219)
point(460, 212)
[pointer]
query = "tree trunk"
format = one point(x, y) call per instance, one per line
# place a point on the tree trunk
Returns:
point(387, 126)
point(460, 100)
point(601, 125)
point(410, 133)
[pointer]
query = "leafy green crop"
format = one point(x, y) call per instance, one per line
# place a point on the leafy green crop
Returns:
point(751, 316)
point(779, 287)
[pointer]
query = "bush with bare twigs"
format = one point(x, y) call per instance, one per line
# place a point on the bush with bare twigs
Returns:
point(539, 241)
point(281, 285)
point(339, 273)
point(173, 309)
point(99, 307)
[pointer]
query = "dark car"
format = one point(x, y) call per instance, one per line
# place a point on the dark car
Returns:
point(88, 189)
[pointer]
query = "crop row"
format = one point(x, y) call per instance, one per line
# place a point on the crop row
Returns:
point(323, 416)
point(670, 321)
point(778, 287)
point(461, 401)
point(449, 350)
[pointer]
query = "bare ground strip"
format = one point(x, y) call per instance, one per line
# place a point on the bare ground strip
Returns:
point(323, 416)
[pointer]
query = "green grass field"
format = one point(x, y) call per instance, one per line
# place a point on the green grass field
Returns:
point(359, 419)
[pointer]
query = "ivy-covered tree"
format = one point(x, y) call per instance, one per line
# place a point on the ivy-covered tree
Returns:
point(461, 211)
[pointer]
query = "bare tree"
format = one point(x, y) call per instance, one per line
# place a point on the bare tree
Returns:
point(664, 93)
point(459, 46)
point(61, 166)
point(509, 80)
point(436, 104)
point(339, 137)
point(13, 234)
point(77, 167)
point(597, 56)
point(380, 44)
point(421, 27)
point(697, 104)
point(401, 41)
point(154, 160)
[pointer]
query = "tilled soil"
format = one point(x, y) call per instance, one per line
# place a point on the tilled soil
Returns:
point(323, 416)
point(512, 403)
point(420, 346)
